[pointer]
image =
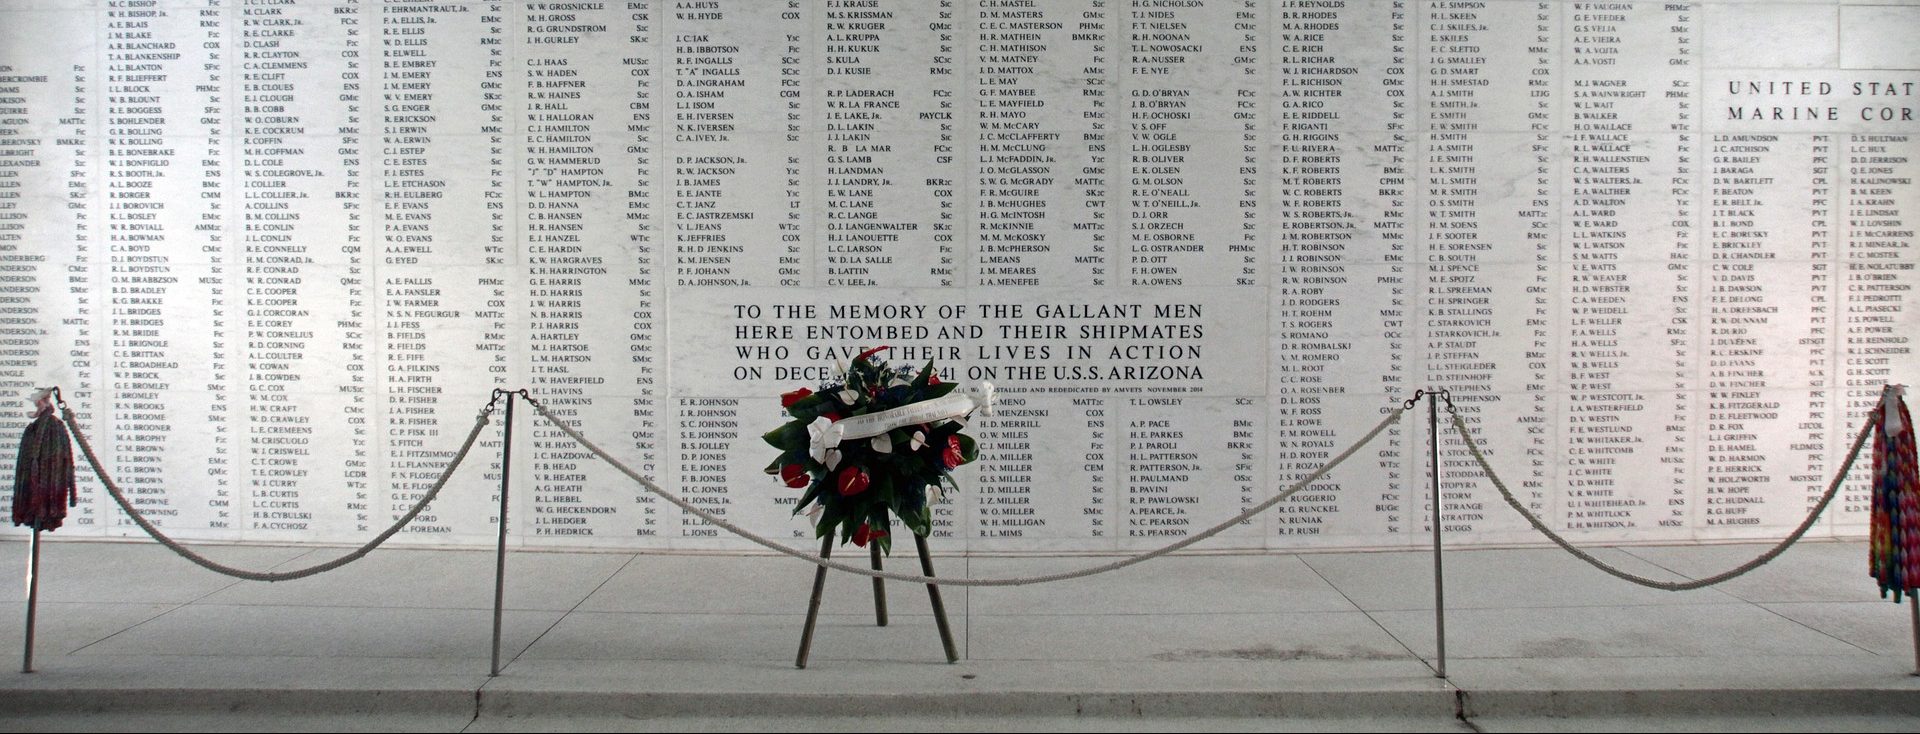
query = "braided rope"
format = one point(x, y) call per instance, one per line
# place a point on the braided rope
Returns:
point(1460, 426)
point(483, 418)
point(86, 447)
point(920, 579)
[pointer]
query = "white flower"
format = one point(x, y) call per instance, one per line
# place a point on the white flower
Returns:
point(813, 513)
point(919, 439)
point(832, 459)
point(882, 444)
point(934, 495)
point(848, 395)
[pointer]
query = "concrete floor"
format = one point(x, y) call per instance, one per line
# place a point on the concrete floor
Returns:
point(132, 637)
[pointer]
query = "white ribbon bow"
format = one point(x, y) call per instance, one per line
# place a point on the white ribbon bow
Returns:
point(983, 400)
point(824, 435)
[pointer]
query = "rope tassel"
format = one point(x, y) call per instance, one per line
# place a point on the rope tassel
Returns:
point(1893, 547)
point(43, 482)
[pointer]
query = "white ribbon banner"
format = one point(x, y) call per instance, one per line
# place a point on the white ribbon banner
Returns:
point(828, 434)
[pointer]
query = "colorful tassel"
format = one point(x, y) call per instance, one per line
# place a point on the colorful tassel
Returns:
point(1893, 546)
point(43, 482)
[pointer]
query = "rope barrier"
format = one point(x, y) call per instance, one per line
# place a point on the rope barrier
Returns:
point(920, 579)
point(485, 415)
point(1833, 488)
point(86, 448)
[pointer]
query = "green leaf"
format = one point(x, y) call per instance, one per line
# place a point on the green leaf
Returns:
point(969, 450)
point(920, 522)
point(926, 374)
point(831, 515)
point(808, 403)
point(789, 437)
point(878, 523)
point(940, 390)
point(813, 492)
point(882, 488)
point(804, 457)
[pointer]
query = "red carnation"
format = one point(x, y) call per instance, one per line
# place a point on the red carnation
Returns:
point(853, 480)
point(953, 456)
point(794, 475)
point(866, 533)
point(787, 399)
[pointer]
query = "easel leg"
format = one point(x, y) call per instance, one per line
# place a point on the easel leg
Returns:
point(813, 605)
point(933, 592)
point(879, 588)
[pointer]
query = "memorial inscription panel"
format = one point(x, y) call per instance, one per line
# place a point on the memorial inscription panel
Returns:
point(277, 253)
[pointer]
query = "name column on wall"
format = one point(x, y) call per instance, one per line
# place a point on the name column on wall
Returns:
point(1341, 108)
point(301, 217)
point(444, 242)
point(52, 238)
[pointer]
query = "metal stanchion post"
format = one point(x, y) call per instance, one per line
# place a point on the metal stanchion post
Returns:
point(500, 554)
point(1439, 578)
point(1913, 605)
point(33, 596)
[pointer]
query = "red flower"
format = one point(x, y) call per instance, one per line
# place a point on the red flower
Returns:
point(794, 475)
point(831, 416)
point(953, 456)
point(866, 533)
point(933, 378)
point(853, 480)
point(787, 399)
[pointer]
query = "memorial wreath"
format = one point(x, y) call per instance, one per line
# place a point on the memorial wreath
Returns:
point(880, 442)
